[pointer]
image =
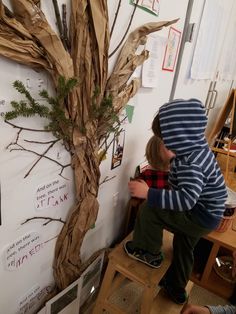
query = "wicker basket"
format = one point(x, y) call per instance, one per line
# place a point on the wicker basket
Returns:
point(225, 270)
point(226, 223)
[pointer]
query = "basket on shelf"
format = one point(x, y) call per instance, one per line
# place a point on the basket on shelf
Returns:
point(223, 267)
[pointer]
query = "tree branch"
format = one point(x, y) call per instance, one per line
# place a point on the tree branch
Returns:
point(16, 141)
point(8, 12)
point(106, 179)
point(59, 22)
point(65, 29)
point(46, 218)
point(128, 27)
point(38, 160)
point(21, 148)
point(43, 155)
point(38, 142)
point(25, 129)
point(115, 18)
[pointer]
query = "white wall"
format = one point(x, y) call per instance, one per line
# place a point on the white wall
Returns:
point(18, 194)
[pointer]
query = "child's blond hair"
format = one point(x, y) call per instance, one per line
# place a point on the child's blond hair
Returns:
point(156, 129)
point(153, 154)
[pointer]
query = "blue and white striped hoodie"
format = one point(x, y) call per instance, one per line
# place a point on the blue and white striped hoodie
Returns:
point(195, 177)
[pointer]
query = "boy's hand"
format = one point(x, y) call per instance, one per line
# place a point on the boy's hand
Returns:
point(138, 188)
point(195, 309)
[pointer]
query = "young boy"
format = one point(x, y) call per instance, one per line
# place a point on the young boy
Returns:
point(192, 207)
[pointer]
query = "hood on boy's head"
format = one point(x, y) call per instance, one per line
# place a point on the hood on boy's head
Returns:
point(183, 124)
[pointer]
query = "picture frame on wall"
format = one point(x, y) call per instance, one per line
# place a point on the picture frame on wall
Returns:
point(172, 49)
point(118, 149)
point(67, 301)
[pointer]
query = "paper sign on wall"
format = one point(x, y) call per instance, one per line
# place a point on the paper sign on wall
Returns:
point(22, 250)
point(33, 299)
point(152, 66)
point(51, 194)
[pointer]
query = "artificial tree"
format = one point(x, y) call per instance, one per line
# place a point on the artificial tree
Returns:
point(89, 107)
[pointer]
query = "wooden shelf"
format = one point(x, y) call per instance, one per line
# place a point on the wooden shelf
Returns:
point(223, 151)
point(215, 284)
point(226, 239)
point(209, 278)
point(220, 286)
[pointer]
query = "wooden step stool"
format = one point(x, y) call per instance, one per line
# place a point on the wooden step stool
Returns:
point(121, 267)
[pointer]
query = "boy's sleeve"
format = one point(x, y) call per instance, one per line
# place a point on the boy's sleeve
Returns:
point(226, 309)
point(187, 188)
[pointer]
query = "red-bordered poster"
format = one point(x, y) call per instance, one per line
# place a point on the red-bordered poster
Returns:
point(172, 48)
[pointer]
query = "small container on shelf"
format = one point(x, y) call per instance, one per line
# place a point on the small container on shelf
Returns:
point(227, 219)
point(230, 212)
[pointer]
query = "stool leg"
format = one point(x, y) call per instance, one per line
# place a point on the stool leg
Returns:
point(105, 288)
point(118, 279)
point(147, 300)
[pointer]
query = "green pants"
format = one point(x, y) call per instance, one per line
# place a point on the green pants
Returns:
point(148, 233)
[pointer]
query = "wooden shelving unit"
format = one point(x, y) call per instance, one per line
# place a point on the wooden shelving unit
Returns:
point(215, 139)
point(208, 279)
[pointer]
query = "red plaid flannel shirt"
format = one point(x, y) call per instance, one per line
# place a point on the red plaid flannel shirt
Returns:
point(155, 178)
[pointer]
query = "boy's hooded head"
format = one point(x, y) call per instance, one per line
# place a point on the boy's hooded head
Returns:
point(182, 125)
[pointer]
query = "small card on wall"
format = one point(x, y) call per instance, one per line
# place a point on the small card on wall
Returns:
point(33, 299)
point(22, 250)
point(51, 194)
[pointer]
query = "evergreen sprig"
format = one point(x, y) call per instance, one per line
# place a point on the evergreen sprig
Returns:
point(59, 124)
point(105, 112)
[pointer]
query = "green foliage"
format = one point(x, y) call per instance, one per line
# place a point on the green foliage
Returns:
point(105, 113)
point(54, 111)
point(26, 109)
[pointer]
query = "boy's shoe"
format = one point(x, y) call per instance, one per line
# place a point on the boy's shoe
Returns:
point(178, 295)
point(152, 260)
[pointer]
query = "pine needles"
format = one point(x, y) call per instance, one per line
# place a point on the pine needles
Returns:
point(53, 111)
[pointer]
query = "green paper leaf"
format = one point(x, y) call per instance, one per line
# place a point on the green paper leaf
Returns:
point(129, 112)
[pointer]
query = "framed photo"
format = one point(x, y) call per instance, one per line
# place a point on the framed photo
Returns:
point(67, 301)
point(118, 149)
point(90, 278)
point(171, 51)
